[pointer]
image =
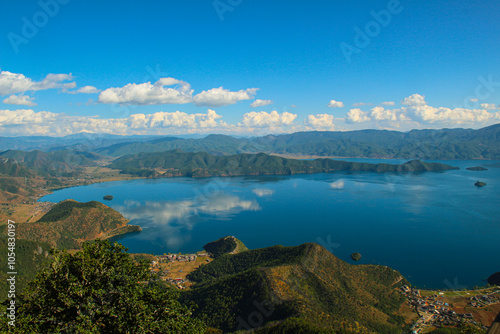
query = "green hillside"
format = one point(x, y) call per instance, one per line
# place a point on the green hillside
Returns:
point(202, 164)
point(445, 144)
point(66, 161)
point(31, 256)
point(70, 223)
point(304, 287)
point(213, 144)
point(225, 245)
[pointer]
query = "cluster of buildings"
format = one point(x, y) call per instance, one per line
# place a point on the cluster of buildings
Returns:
point(178, 257)
point(433, 312)
point(483, 300)
point(160, 266)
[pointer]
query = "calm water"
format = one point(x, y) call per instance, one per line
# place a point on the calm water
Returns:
point(438, 229)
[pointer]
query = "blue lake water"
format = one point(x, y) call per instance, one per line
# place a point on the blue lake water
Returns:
point(436, 228)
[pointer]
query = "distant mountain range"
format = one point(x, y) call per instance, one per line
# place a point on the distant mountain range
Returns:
point(445, 144)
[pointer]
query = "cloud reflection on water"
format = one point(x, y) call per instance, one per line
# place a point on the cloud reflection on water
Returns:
point(169, 222)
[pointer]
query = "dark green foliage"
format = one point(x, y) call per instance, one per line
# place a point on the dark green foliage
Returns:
point(356, 256)
point(476, 169)
point(202, 164)
point(100, 290)
point(31, 256)
point(279, 283)
point(494, 279)
point(9, 168)
point(298, 326)
point(52, 163)
point(221, 246)
point(463, 329)
point(258, 258)
point(63, 210)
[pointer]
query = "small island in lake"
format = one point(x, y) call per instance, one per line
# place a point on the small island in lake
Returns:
point(108, 197)
point(479, 184)
point(477, 168)
point(356, 256)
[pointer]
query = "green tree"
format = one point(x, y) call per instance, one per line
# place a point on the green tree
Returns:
point(100, 289)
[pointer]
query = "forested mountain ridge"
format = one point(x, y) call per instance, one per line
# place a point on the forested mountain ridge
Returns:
point(303, 287)
point(202, 164)
point(445, 144)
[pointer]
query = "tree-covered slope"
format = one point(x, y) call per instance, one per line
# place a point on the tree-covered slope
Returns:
point(49, 162)
point(416, 144)
point(213, 144)
point(70, 223)
point(225, 245)
point(31, 256)
point(178, 163)
point(270, 287)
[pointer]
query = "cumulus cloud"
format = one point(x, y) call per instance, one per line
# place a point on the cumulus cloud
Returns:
point(172, 91)
point(22, 100)
point(321, 122)
point(264, 119)
point(356, 116)
point(148, 94)
point(261, 192)
point(388, 103)
point(417, 114)
point(218, 97)
point(29, 122)
point(335, 104)
point(14, 83)
point(414, 100)
point(488, 106)
point(260, 103)
point(86, 90)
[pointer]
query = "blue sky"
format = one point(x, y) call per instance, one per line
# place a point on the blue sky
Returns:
point(247, 67)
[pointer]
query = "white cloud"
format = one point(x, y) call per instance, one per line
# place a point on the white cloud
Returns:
point(260, 103)
point(414, 100)
point(88, 90)
point(149, 94)
point(172, 91)
point(417, 114)
point(22, 100)
point(321, 122)
point(218, 97)
point(356, 116)
point(263, 119)
point(14, 83)
point(474, 100)
point(29, 122)
point(261, 192)
point(388, 103)
point(489, 106)
point(381, 114)
point(335, 104)
point(361, 104)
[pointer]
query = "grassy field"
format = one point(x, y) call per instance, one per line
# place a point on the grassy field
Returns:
point(460, 293)
point(180, 269)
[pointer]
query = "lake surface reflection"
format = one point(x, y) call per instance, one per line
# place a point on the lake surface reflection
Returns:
point(438, 229)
